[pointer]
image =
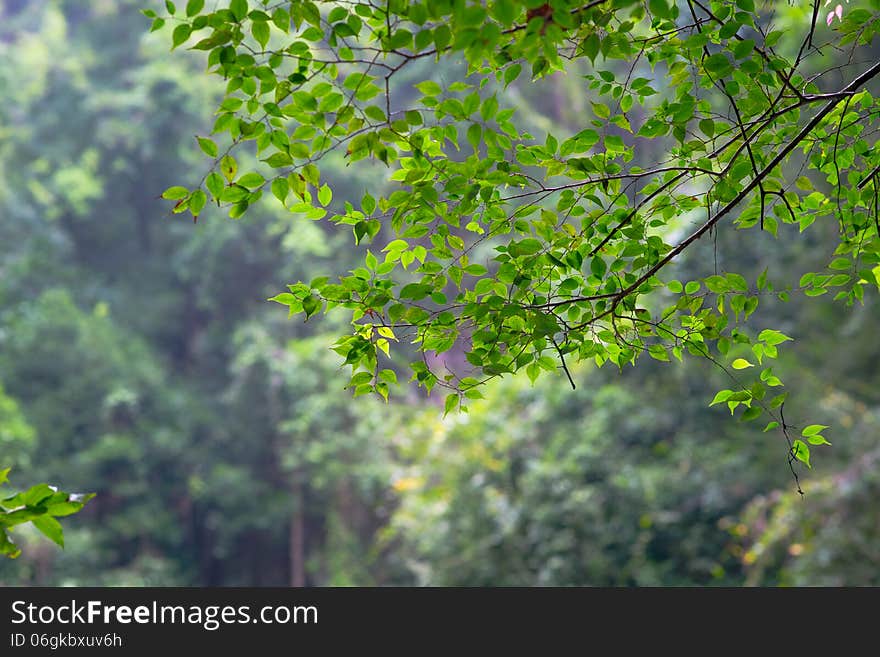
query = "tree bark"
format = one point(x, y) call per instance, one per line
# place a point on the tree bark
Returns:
point(298, 535)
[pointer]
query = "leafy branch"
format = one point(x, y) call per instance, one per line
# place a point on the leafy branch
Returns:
point(40, 505)
point(583, 225)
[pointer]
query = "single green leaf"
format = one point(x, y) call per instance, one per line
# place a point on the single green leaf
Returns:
point(197, 201)
point(512, 73)
point(208, 146)
point(50, 528)
point(214, 183)
point(251, 180)
point(718, 65)
point(658, 352)
point(751, 413)
point(325, 195)
point(260, 32)
point(193, 7)
point(175, 193)
point(180, 34)
point(228, 167)
point(280, 189)
point(660, 8)
point(451, 402)
point(474, 136)
point(801, 452)
point(239, 9)
point(707, 127)
point(429, 88)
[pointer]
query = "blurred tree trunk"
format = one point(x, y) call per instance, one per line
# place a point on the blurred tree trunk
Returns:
point(298, 535)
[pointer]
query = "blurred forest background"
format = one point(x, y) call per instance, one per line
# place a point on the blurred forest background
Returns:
point(140, 360)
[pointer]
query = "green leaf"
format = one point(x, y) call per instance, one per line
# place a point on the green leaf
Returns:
point(238, 210)
point(239, 9)
point(512, 73)
point(804, 183)
point(50, 528)
point(208, 146)
point(311, 173)
point(197, 202)
point(311, 305)
point(193, 7)
point(325, 195)
point(813, 429)
point(442, 36)
point(801, 452)
point(718, 65)
point(817, 439)
point(180, 34)
point(474, 136)
point(285, 299)
point(280, 189)
point(751, 413)
point(772, 337)
point(279, 160)
point(260, 32)
point(741, 364)
point(601, 110)
point(214, 183)
point(368, 204)
point(489, 108)
point(658, 352)
point(7, 547)
point(175, 193)
point(389, 376)
point(281, 18)
point(707, 127)
point(376, 114)
point(429, 88)
point(505, 11)
point(659, 8)
point(614, 144)
point(743, 48)
point(251, 180)
point(228, 167)
point(451, 402)
point(591, 46)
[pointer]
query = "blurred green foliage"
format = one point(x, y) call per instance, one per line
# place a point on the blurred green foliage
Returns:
point(139, 360)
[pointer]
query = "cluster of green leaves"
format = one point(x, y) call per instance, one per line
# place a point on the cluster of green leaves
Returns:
point(40, 505)
point(582, 232)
